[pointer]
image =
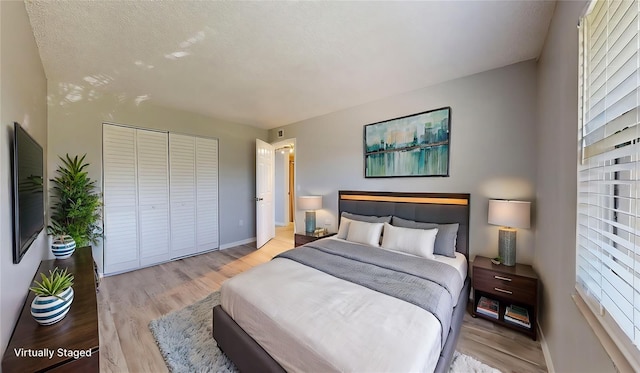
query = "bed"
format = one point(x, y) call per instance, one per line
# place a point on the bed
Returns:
point(291, 315)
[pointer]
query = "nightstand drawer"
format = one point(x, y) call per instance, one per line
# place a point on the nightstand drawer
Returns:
point(518, 288)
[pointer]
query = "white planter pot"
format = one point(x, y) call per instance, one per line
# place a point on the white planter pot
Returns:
point(63, 247)
point(47, 310)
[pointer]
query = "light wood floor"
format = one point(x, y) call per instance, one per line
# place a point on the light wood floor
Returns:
point(128, 302)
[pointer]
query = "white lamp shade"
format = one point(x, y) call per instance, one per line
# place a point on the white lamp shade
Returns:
point(310, 202)
point(514, 214)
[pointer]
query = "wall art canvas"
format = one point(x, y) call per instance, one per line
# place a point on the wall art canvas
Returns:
point(414, 145)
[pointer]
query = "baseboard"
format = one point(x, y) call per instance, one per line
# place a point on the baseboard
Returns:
point(545, 351)
point(222, 247)
point(281, 224)
point(237, 243)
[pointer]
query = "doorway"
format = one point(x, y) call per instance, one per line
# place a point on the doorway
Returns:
point(284, 188)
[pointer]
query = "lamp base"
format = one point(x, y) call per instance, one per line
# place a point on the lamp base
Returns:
point(507, 246)
point(310, 221)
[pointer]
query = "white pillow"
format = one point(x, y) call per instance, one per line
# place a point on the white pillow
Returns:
point(344, 228)
point(418, 242)
point(366, 233)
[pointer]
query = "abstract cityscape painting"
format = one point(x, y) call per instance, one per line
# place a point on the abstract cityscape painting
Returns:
point(415, 145)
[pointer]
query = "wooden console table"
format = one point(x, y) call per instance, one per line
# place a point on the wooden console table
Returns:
point(76, 333)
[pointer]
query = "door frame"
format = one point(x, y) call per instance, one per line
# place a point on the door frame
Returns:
point(276, 144)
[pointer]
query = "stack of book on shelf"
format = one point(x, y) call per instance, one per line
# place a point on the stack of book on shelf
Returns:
point(517, 315)
point(488, 307)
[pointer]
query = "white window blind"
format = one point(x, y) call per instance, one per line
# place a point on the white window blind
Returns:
point(608, 226)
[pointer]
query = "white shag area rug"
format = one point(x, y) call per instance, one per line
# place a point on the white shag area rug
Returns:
point(186, 343)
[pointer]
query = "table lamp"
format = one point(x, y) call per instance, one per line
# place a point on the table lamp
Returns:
point(310, 204)
point(509, 215)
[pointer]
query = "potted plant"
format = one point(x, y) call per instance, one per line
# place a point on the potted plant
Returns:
point(62, 245)
point(54, 295)
point(75, 208)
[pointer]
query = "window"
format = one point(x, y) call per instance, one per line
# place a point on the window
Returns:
point(608, 225)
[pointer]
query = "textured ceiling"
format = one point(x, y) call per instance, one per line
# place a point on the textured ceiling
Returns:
point(269, 64)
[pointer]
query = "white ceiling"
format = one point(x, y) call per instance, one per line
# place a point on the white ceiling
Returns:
point(269, 64)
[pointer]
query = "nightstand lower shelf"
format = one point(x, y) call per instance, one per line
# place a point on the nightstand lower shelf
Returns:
point(503, 304)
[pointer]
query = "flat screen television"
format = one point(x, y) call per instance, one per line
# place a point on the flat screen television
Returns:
point(28, 191)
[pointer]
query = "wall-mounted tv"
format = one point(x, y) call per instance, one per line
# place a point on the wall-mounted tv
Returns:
point(28, 191)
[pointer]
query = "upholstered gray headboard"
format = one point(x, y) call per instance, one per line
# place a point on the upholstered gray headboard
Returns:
point(440, 208)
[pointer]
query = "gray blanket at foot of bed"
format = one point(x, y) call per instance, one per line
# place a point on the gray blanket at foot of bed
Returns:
point(425, 283)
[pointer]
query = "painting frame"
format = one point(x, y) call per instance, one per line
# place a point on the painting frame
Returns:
point(415, 145)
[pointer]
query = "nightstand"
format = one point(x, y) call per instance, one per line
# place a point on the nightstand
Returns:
point(303, 238)
point(515, 287)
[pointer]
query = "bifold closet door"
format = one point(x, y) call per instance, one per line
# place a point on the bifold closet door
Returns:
point(120, 242)
point(153, 196)
point(161, 197)
point(182, 166)
point(207, 237)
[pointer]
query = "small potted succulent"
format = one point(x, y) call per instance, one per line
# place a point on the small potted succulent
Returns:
point(54, 295)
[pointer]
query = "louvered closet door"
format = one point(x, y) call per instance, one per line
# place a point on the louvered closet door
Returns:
point(153, 196)
point(120, 199)
point(207, 194)
point(182, 161)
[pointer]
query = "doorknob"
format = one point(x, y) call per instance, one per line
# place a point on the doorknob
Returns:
point(259, 199)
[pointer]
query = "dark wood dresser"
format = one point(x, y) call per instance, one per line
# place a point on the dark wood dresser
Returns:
point(509, 286)
point(76, 333)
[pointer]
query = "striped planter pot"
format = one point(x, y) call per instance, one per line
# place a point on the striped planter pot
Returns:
point(47, 309)
point(63, 247)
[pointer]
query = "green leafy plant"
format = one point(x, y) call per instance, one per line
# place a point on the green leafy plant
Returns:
point(54, 284)
point(75, 208)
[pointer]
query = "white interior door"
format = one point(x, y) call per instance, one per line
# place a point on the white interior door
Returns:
point(153, 196)
point(120, 199)
point(207, 237)
point(265, 209)
point(182, 166)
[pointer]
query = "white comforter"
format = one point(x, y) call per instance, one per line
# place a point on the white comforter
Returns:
point(309, 321)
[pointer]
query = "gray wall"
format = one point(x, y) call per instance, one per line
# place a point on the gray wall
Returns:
point(75, 127)
point(23, 100)
point(571, 341)
point(492, 153)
